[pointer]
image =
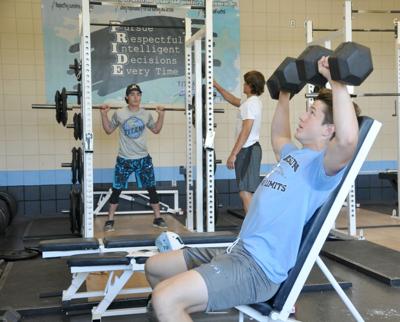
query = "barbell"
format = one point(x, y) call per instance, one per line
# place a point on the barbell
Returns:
point(61, 106)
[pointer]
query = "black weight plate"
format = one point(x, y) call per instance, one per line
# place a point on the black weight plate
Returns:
point(80, 164)
point(80, 126)
point(74, 165)
point(4, 207)
point(11, 203)
point(57, 102)
point(76, 129)
point(3, 221)
point(15, 255)
point(64, 107)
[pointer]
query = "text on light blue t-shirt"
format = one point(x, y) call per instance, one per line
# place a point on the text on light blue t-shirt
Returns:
point(282, 204)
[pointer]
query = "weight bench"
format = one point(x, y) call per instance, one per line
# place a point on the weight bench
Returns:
point(81, 246)
point(128, 263)
point(314, 235)
point(119, 253)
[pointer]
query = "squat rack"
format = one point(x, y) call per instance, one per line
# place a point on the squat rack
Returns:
point(86, 107)
point(194, 43)
point(326, 41)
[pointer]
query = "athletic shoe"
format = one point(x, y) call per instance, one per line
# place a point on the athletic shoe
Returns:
point(160, 223)
point(109, 226)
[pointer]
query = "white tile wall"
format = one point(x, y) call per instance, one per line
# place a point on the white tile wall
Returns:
point(270, 31)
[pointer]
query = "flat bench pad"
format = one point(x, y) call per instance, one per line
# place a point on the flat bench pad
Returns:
point(149, 240)
point(68, 244)
point(113, 258)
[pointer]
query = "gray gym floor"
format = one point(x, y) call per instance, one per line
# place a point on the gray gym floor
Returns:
point(23, 282)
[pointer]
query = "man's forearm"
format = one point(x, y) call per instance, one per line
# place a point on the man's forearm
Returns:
point(227, 96)
point(159, 123)
point(106, 124)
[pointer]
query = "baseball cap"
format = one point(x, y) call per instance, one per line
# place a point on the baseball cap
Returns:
point(133, 87)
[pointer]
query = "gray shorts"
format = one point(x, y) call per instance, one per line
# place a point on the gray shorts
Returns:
point(232, 279)
point(247, 167)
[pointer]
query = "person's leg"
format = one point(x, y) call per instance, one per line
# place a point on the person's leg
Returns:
point(122, 172)
point(246, 197)
point(145, 178)
point(163, 266)
point(176, 297)
point(248, 173)
point(111, 210)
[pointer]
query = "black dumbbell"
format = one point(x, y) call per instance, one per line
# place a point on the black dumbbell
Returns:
point(285, 78)
point(350, 63)
point(307, 65)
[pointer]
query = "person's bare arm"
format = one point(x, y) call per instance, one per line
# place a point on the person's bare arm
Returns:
point(342, 147)
point(240, 141)
point(280, 125)
point(235, 101)
point(108, 128)
point(160, 120)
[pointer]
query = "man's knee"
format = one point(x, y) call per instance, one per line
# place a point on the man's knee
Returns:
point(115, 195)
point(164, 300)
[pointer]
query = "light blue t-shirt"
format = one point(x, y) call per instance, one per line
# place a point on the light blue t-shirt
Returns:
point(282, 204)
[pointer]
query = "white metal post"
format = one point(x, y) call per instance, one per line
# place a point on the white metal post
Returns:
point(351, 198)
point(189, 138)
point(397, 31)
point(209, 117)
point(309, 39)
point(339, 290)
point(87, 138)
point(199, 136)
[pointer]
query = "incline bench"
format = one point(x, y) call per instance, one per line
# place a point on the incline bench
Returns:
point(314, 235)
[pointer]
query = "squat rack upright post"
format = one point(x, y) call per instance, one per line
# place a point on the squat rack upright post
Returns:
point(87, 134)
point(195, 41)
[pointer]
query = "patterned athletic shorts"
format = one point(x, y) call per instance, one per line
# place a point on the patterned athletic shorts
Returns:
point(143, 169)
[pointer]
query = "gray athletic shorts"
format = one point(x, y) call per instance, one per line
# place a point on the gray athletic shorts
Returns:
point(247, 167)
point(231, 279)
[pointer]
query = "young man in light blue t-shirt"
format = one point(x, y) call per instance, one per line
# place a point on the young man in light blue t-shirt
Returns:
point(251, 270)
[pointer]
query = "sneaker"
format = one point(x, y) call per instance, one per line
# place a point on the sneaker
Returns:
point(109, 225)
point(160, 223)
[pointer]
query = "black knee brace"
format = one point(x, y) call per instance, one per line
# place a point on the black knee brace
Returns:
point(115, 195)
point(153, 195)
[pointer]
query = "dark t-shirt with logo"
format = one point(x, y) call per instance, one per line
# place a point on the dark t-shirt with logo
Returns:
point(132, 131)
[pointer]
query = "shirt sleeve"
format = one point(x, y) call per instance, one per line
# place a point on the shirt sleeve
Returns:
point(320, 178)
